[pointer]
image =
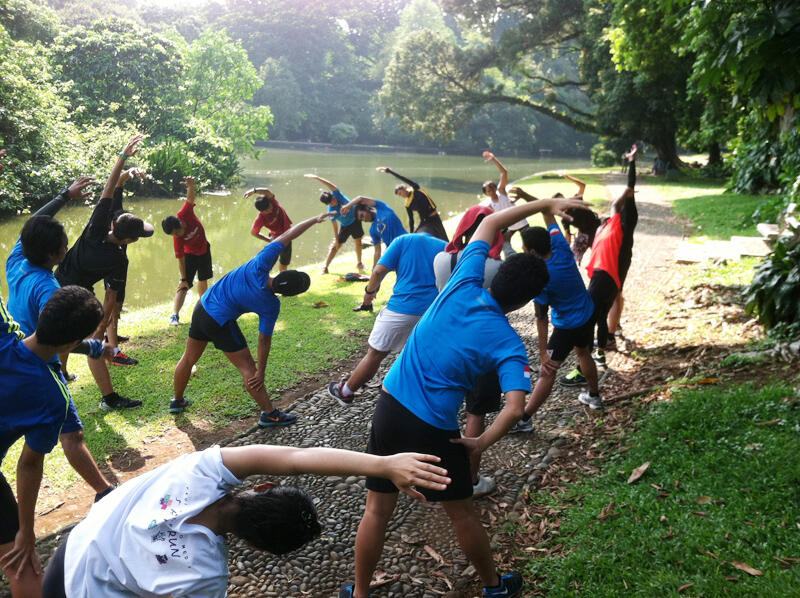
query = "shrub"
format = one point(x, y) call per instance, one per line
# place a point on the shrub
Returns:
point(602, 157)
point(774, 294)
point(342, 133)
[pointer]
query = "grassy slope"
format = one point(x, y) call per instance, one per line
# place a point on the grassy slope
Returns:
point(710, 456)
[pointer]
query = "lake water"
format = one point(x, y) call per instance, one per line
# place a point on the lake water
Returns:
point(454, 183)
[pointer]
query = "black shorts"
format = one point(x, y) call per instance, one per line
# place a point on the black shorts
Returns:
point(107, 284)
point(487, 395)
point(199, 265)
point(355, 229)
point(227, 338)
point(286, 255)
point(53, 582)
point(563, 340)
point(9, 515)
point(396, 430)
point(603, 291)
point(434, 227)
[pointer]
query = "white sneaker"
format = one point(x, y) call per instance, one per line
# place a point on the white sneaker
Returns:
point(174, 320)
point(485, 485)
point(522, 426)
point(590, 401)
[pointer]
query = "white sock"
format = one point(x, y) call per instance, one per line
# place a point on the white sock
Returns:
point(116, 350)
point(346, 390)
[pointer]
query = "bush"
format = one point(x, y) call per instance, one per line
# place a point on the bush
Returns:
point(774, 294)
point(342, 133)
point(602, 157)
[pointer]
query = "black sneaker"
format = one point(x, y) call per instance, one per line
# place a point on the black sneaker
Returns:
point(177, 406)
point(121, 359)
point(574, 378)
point(115, 401)
point(335, 390)
point(510, 585)
point(104, 493)
point(276, 418)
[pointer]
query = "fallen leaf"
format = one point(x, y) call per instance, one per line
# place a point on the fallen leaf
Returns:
point(319, 304)
point(436, 556)
point(607, 511)
point(707, 381)
point(771, 422)
point(746, 568)
point(703, 500)
point(731, 578)
point(663, 518)
point(700, 514)
point(686, 587)
point(637, 473)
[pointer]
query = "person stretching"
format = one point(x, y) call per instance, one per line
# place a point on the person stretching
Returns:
point(344, 225)
point(163, 533)
point(418, 200)
point(498, 200)
point(585, 221)
point(34, 406)
point(248, 288)
point(272, 217)
point(29, 270)
point(192, 250)
point(385, 227)
point(411, 256)
point(463, 334)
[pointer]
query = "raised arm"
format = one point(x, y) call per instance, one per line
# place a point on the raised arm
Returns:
point(360, 200)
point(404, 469)
point(325, 182)
point(501, 186)
point(188, 182)
point(577, 181)
point(505, 218)
point(77, 190)
point(298, 229)
point(517, 193)
point(410, 213)
point(619, 203)
point(128, 152)
point(386, 169)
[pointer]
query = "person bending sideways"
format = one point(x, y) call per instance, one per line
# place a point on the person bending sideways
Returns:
point(411, 256)
point(29, 270)
point(69, 316)
point(163, 533)
point(498, 200)
point(385, 227)
point(418, 200)
point(464, 333)
point(272, 217)
point(585, 221)
point(192, 250)
point(344, 225)
point(100, 254)
point(486, 397)
point(248, 288)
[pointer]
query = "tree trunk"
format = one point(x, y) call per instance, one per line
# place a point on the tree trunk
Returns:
point(667, 151)
point(714, 154)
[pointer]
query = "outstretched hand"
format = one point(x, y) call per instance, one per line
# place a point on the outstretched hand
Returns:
point(414, 469)
point(129, 174)
point(382, 169)
point(325, 216)
point(188, 181)
point(21, 556)
point(488, 156)
point(516, 193)
point(559, 207)
point(131, 149)
point(77, 190)
point(344, 209)
point(311, 176)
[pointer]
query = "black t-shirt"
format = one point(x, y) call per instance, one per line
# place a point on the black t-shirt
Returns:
point(92, 258)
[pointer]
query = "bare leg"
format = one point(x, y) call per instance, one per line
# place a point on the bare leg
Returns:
point(472, 538)
point(191, 354)
point(332, 252)
point(243, 360)
point(202, 287)
point(180, 297)
point(588, 368)
point(366, 368)
point(101, 375)
point(615, 313)
point(63, 357)
point(543, 387)
point(29, 585)
point(111, 330)
point(370, 538)
point(474, 427)
point(358, 251)
point(81, 460)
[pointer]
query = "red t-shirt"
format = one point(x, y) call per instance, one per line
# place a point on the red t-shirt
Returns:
point(276, 221)
point(194, 239)
point(606, 247)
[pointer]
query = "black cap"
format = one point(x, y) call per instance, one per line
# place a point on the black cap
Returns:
point(128, 226)
point(291, 282)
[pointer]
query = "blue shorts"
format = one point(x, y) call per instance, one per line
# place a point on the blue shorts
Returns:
point(72, 423)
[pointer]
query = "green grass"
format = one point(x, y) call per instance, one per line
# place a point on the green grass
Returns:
point(711, 457)
point(306, 341)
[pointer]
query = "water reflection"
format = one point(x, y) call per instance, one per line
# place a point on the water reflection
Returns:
point(453, 181)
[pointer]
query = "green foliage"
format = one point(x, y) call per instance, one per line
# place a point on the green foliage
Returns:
point(774, 294)
point(342, 133)
point(25, 20)
point(602, 157)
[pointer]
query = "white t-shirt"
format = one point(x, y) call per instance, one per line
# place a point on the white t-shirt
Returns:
point(443, 268)
point(136, 542)
point(503, 203)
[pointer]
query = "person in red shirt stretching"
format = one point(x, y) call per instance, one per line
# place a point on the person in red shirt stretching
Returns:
point(272, 217)
point(192, 250)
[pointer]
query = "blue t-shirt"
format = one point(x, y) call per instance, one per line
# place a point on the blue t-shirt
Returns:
point(244, 290)
point(463, 334)
point(342, 199)
point(565, 293)
point(34, 401)
point(29, 288)
point(387, 226)
point(411, 256)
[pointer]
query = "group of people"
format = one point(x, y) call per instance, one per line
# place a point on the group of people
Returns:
point(162, 533)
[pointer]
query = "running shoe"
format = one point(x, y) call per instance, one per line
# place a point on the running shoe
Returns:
point(115, 401)
point(121, 338)
point(177, 406)
point(335, 390)
point(174, 320)
point(591, 401)
point(104, 493)
point(599, 357)
point(121, 359)
point(510, 585)
point(611, 344)
point(574, 378)
point(522, 426)
point(485, 485)
point(347, 589)
point(360, 266)
point(70, 377)
point(276, 418)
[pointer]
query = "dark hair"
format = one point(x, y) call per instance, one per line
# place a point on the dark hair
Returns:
point(128, 226)
point(398, 187)
point(291, 282)
point(326, 197)
point(558, 195)
point(42, 236)
point(518, 280)
point(360, 208)
point(71, 314)
point(536, 239)
point(170, 223)
point(486, 184)
point(278, 520)
point(262, 202)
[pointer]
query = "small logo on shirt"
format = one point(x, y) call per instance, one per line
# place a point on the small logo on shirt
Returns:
point(526, 371)
point(162, 559)
point(165, 502)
